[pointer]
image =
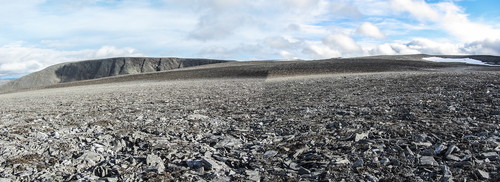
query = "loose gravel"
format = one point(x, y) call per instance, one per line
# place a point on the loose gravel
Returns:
point(441, 126)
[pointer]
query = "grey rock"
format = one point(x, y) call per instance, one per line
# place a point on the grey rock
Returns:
point(424, 144)
point(421, 137)
point(384, 161)
point(464, 164)
point(482, 174)
point(439, 149)
point(210, 164)
point(118, 145)
point(360, 136)
point(359, 163)
point(446, 170)
point(24, 173)
point(300, 151)
point(5, 180)
point(490, 155)
point(451, 149)
point(155, 162)
point(253, 175)
point(90, 158)
point(341, 161)
point(293, 165)
point(428, 161)
point(55, 134)
point(303, 171)
point(194, 164)
point(229, 142)
point(270, 153)
point(109, 179)
point(101, 171)
point(39, 135)
point(197, 117)
point(336, 125)
point(482, 161)
point(453, 158)
point(447, 179)
point(408, 150)
point(371, 178)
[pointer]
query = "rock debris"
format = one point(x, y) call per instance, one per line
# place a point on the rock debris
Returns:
point(383, 127)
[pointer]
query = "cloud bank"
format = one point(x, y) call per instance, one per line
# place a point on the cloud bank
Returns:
point(29, 59)
point(55, 31)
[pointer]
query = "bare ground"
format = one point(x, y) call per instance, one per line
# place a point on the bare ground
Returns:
point(413, 126)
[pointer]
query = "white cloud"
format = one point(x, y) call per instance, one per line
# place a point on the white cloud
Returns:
point(346, 9)
point(393, 49)
point(342, 43)
point(213, 27)
point(18, 59)
point(54, 31)
point(417, 8)
point(373, 7)
point(426, 46)
point(473, 38)
point(455, 21)
point(431, 47)
point(222, 19)
point(111, 51)
point(484, 47)
point(449, 17)
point(299, 27)
point(288, 55)
point(384, 49)
point(281, 42)
point(318, 50)
point(21, 67)
point(254, 51)
point(370, 30)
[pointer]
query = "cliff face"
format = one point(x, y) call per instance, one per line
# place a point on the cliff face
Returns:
point(92, 69)
point(122, 66)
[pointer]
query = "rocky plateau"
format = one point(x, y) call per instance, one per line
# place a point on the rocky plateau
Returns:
point(371, 119)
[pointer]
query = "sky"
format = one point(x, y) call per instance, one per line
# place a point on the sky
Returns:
point(35, 34)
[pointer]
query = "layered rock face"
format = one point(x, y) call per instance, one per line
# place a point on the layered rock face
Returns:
point(122, 66)
point(92, 69)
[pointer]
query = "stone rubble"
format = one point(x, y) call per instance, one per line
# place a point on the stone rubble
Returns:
point(385, 127)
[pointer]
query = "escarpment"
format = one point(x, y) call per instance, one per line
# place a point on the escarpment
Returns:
point(93, 69)
point(123, 66)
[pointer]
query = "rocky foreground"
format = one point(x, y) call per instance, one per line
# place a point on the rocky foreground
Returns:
point(441, 126)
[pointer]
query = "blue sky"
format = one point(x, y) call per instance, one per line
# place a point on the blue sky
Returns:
point(35, 34)
point(481, 9)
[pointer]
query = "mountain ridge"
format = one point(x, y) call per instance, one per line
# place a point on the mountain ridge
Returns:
point(144, 68)
point(99, 68)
